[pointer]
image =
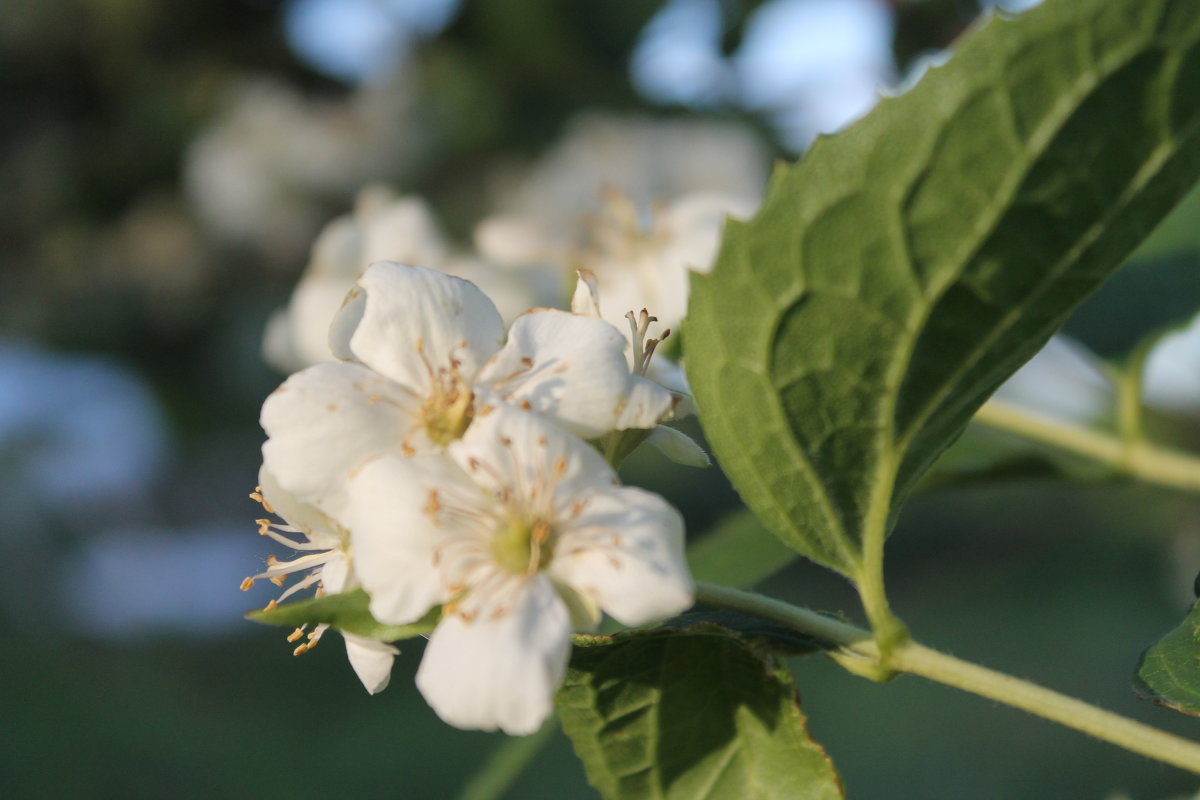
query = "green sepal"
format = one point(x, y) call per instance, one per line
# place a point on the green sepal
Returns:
point(347, 612)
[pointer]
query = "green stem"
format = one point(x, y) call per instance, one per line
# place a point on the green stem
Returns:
point(889, 631)
point(1138, 459)
point(856, 645)
point(506, 763)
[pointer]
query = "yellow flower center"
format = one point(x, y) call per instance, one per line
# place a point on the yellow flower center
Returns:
point(523, 547)
point(447, 412)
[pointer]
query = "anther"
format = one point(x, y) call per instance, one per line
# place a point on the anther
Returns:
point(247, 583)
point(296, 634)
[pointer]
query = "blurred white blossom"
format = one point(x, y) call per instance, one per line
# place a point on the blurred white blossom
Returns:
point(635, 201)
point(383, 227)
point(1064, 379)
point(1171, 379)
point(262, 173)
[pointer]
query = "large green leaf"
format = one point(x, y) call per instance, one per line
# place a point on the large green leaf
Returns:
point(346, 612)
point(906, 266)
point(1169, 673)
point(693, 715)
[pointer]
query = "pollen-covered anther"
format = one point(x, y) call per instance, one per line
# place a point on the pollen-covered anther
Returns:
point(295, 635)
point(271, 606)
point(257, 496)
point(247, 583)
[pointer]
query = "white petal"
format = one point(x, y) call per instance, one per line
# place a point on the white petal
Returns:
point(318, 527)
point(403, 230)
point(507, 449)
point(625, 550)
point(586, 299)
point(279, 345)
point(499, 672)
point(335, 575)
point(314, 304)
point(645, 406)
point(298, 336)
point(568, 368)
point(678, 446)
point(670, 374)
point(327, 420)
point(404, 321)
point(694, 223)
point(372, 661)
point(394, 533)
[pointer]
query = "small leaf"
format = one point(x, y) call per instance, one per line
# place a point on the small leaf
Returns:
point(346, 612)
point(1169, 672)
point(906, 266)
point(692, 715)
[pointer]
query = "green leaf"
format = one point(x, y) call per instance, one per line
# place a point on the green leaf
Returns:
point(905, 267)
point(1169, 672)
point(346, 612)
point(697, 715)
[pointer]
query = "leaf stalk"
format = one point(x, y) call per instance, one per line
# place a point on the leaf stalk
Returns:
point(1136, 458)
point(858, 647)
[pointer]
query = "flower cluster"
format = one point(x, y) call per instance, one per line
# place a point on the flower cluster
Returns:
point(443, 461)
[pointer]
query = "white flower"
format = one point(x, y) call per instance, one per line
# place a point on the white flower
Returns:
point(522, 532)
point(383, 227)
point(672, 443)
point(326, 562)
point(422, 353)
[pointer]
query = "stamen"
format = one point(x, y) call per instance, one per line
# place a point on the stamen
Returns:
point(247, 583)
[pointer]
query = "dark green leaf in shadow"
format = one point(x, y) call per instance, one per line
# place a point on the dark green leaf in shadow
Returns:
point(689, 715)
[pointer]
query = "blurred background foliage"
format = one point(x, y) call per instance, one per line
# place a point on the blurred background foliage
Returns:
point(165, 167)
